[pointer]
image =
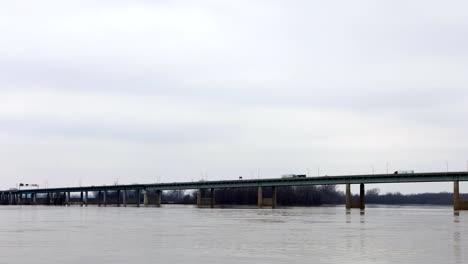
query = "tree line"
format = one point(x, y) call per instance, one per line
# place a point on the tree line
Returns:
point(309, 196)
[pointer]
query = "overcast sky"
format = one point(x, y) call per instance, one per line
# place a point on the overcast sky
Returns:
point(93, 92)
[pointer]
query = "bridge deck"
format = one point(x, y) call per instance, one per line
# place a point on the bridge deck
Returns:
point(327, 180)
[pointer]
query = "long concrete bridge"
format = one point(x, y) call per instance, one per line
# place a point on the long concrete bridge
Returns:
point(206, 189)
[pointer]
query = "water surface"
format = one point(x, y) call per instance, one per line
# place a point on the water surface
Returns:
point(184, 234)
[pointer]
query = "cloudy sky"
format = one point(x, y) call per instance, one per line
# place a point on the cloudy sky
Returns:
point(94, 92)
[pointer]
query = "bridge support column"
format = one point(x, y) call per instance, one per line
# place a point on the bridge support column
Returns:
point(34, 198)
point(138, 197)
point(86, 198)
point(362, 196)
point(118, 194)
point(359, 203)
point(67, 199)
point(348, 196)
point(19, 199)
point(124, 198)
point(104, 198)
point(273, 197)
point(212, 200)
point(145, 198)
point(260, 197)
point(158, 198)
point(81, 199)
point(262, 201)
point(456, 195)
point(199, 198)
point(457, 203)
point(98, 198)
point(205, 201)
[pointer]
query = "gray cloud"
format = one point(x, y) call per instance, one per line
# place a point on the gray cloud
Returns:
point(238, 85)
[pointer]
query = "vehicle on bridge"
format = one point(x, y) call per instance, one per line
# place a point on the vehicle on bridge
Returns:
point(404, 172)
point(293, 176)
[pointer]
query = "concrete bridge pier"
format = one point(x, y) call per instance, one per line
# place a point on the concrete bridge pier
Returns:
point(86, 199)
point(67, 198)
point(205, 201)
point(138, 197)
point(34, 198)
point(359, 203)
point(118, 194)
point(81, 199)
point(158, 198)
point(145, 198)
point(262, 201)
point(98, 198)
point(457, 203)
point(104, 198)
point(124, 198)
point(212, 196)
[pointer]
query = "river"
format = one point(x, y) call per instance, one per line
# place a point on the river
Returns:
point(185, 234)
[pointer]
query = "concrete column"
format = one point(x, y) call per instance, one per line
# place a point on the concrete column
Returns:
point(212, 200)
point(104, 198)
point(19, 198)
point(81, 199)
point(158, 198)
point(118, 198)
point(362, 196)
point(145, 198)
point(34, 198)
point(138, 197)
point(273, 197)
point(124, 198)
point(456, 195)
point(99, 195)
point(260, 197)
point(86, 199)
point(348, 196)
point(67, 198)
point(199, 198)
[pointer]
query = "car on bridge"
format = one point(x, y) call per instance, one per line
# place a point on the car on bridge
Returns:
point(404, 172)
point(293, 176)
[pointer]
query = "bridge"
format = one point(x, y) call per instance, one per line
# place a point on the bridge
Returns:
point(62, 196)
